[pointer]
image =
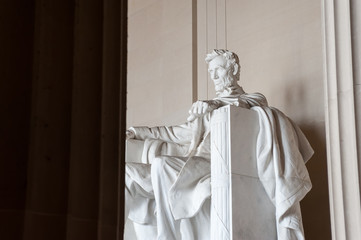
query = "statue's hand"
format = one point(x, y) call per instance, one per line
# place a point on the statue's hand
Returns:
point(200, 108)
point(129, 134)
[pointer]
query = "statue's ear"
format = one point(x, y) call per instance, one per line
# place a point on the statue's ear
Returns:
point(235, 69)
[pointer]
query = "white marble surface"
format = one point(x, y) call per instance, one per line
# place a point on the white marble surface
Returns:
point(133, 153)
point(342, 121)
point(241, 208)
point(134, 150)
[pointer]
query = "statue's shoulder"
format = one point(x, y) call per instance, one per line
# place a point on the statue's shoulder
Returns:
point(255, 99)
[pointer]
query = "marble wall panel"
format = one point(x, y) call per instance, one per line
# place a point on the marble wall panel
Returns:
point(159, 62)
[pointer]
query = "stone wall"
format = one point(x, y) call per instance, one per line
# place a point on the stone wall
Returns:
point(159, 62)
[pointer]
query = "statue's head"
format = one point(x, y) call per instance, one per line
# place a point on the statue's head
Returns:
point(223, 67)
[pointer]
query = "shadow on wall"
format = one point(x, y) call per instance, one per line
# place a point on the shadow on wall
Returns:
point(315, 206)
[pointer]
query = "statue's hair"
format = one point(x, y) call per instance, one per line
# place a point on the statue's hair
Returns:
point(232, 59)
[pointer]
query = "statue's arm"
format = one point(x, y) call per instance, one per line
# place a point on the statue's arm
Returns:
point(181, 134)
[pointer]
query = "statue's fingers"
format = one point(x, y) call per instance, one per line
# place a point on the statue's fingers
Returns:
point(191, 118)
point(205, 108)
point(194, 105)
point(129, 134)
point(191, 110)
point(200, 110)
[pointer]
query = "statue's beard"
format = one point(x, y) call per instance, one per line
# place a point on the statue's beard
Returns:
point(227, 83)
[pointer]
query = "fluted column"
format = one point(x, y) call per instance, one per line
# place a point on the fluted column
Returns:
point(356, 59)
point(342, 117)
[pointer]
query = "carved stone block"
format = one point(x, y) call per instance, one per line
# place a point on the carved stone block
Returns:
point(240, 208)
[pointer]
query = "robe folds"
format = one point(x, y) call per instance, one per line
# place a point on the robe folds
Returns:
point(282, 151)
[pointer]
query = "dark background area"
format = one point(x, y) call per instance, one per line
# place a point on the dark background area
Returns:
point(16, 54)
point(62, 95)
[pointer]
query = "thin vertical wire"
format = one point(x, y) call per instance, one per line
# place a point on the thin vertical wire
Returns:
point(225, 23)
point(194, 52)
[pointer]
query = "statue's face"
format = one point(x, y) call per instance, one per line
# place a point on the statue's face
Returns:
point(218, 72)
